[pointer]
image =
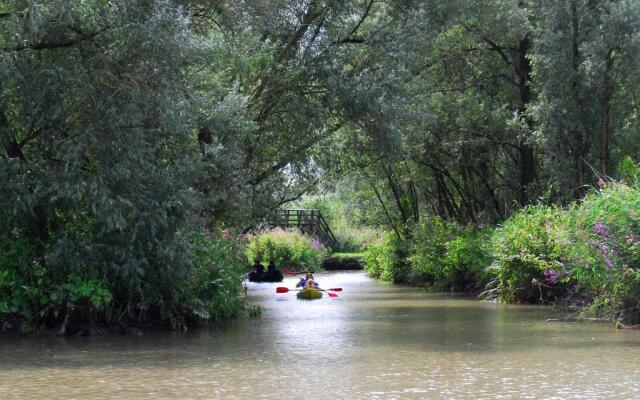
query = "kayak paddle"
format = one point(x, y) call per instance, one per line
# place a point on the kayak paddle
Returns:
point(282, 289)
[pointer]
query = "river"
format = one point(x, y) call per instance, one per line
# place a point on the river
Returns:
point(375, 341)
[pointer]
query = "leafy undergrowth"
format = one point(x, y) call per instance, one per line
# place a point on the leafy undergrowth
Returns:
point(440, 254)
point(46, 298)
point(287, 249)
point(587, 254)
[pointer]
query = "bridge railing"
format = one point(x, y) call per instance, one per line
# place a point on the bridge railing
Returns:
point(309, 221)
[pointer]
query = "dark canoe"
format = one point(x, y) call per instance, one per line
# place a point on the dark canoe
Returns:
point(268, 276)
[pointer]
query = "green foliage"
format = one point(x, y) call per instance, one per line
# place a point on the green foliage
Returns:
point(609, 229)
point(386, 259)
point(339, 211)
point(100, 164)
point(90, 291)
point(589, 252)
point(355, 239)
point(533, 242)
point(347, 255)
point(127, 127)
point(449, 256)
point(287, 249)
point(215, 287)
point(629, 170)
point(440, 254)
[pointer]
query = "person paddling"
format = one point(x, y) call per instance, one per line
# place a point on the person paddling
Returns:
point(307, 281)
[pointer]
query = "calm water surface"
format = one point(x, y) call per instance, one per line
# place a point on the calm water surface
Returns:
point(376, 341)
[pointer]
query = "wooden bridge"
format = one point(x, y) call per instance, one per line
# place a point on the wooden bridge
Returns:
point(310, 222)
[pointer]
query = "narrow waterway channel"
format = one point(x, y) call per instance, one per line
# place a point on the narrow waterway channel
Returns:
point(375, 341)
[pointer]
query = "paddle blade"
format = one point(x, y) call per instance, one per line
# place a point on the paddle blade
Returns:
point(289, 271)
point(282, 290)
point(332, 294)
point(336, 289)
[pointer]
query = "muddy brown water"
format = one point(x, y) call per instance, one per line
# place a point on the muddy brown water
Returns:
point(376, 341)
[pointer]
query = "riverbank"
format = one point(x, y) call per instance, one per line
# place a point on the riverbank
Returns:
point(586, 254)
point(38, 298)
point(344, 262)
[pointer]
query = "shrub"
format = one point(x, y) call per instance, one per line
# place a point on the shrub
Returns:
point(286, 249)
point(533, 253)
point(31, 290)
point(355, 239)
point(440, 254)
point(590, 251)
point(35, 296)
point(609, 228)
point(215, 287)
point(466, 260)
point(629, 170)
point(447, 256)
point(386, 259)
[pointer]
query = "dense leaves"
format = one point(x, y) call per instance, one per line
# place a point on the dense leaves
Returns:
point(100, 163)
point(286, 249)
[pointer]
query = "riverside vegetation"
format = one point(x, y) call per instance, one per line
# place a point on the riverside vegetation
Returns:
point(585, 254)
point(286, 249)
point(141, 139)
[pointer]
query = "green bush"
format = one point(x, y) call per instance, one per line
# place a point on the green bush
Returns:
point(37, 296)
point(533, 252)
point(440, 254)
point(589, 252)
point(31, 290)
point(214, 290)
point(289, 249)
point(609, 229)
point(386, 259)
point(466, 260)
point(629, 170)
point(354, 240)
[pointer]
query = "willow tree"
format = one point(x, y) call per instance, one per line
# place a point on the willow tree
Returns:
point(98, 161)
point(586, 63)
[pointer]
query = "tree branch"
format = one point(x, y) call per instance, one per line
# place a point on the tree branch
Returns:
point(53, 45)
point(351, 38)
point(287, 158)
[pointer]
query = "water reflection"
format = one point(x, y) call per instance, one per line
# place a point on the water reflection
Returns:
point(375, 341)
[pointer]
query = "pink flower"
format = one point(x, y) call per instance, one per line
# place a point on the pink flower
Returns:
point(601, 229)
point(601, 183)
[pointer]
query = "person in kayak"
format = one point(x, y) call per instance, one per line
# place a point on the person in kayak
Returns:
point(271, 268)
point(307, 281)
point(258, 268)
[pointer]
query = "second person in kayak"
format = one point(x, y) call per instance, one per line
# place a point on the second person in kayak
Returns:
point(307, 281)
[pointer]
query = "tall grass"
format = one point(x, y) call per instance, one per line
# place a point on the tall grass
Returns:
point(588, 253)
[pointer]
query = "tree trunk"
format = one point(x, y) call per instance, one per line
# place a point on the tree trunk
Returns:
point(579, 135)
point(527, 156)
point(606, 97)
